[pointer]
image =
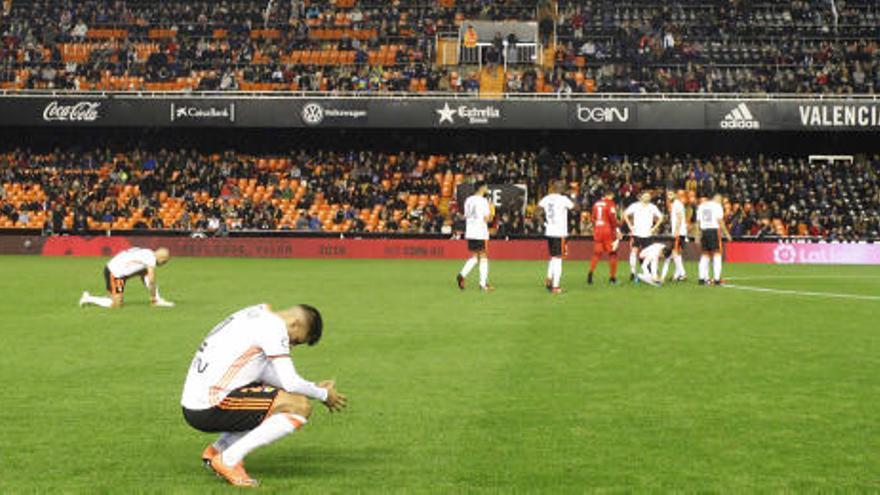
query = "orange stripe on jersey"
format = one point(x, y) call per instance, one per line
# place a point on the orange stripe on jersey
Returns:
point(233, 370)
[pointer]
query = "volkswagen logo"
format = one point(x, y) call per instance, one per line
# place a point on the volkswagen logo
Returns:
point(312, 114)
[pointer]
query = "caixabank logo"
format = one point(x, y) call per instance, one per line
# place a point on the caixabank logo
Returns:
point(740, 117)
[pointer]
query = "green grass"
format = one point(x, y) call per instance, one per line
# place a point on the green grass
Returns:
point(610, 389)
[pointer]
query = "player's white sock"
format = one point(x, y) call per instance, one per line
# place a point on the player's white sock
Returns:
point(226, 439)
point(104, 302)
point(272, 429)
point(484, 271)
point(665, 269)
point(557, 271)
point(468, 266)
point(679, 265)
point(633, 262)
point(716, 262)
point(704, 267)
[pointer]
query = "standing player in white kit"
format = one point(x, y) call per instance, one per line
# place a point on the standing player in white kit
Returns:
point(643, 219)
point(710, 215)
point(555, 207)
point(679, 230)
point(478, 212)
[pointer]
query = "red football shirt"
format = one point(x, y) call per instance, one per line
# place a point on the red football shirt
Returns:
point(604, 217)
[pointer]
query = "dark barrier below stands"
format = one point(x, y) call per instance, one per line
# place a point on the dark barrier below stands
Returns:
point(400, 248)
point(749, 114)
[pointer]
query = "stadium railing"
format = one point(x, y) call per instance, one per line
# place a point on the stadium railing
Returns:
point(441, 95)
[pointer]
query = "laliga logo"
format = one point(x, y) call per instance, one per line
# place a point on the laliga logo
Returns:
point(312, 114)
point(83, 111)
point(602, 114)
point(784, 254)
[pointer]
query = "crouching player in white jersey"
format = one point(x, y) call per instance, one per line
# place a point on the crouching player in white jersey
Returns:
point(555, 207)
point(710, 214)
point(651, 258)
point(133, 262)
point(478, 212)
point(242, 384)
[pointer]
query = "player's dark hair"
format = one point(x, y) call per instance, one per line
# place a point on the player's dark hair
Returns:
point(667, 251)
point(479, 185)
point(316, 324)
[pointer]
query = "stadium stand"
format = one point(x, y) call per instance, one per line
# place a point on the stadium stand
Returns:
point(798, 46)
point(411, 193)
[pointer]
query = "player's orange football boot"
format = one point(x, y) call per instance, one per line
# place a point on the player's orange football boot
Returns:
point(235, 475)
point(209, 454)
point(460, 281)
point(557, 290)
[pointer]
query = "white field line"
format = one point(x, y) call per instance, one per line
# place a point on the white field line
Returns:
point(803, 293)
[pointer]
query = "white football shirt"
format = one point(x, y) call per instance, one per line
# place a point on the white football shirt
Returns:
point(643, 218)
point(678, 226)
point(556, 208)
point(476, 209)
point(710, 214)
point(235, 353)
point(651, 252)
point(131, 261)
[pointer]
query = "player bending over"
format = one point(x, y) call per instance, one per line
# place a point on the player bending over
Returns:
point(643, 219)
point(133, 262)
point(606, 236)
point(710, 215)
point(651, 257)
point(555, 207)
point(679, 231)
point(478, 212)
point(242, 384)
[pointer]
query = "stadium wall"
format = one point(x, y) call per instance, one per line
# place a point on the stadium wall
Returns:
point(410, 248)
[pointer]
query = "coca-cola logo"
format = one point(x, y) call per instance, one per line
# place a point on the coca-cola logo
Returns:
point(81, 111)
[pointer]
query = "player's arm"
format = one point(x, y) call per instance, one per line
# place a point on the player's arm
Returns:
point(658, 221)
point(491, 214)
point(289, 380)
point(149, 279)
point(723, 225)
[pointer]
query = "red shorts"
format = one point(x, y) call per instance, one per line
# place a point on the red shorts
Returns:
point(602, 242)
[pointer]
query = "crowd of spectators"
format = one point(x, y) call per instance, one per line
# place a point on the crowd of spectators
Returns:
point(795, 46)
point(800, 46)
point(413, 193)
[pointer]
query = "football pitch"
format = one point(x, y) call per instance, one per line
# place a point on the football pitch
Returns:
point(773, 385)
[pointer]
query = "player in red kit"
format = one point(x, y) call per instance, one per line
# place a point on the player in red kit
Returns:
point(605, 235)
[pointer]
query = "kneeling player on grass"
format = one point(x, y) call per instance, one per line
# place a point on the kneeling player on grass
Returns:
point(133, 262)
point(651, 258)
point(242, 384)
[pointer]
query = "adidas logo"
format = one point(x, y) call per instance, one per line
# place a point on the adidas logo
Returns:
point(740, 118)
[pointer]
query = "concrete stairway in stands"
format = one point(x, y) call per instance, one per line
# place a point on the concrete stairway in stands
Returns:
point(492, 81)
